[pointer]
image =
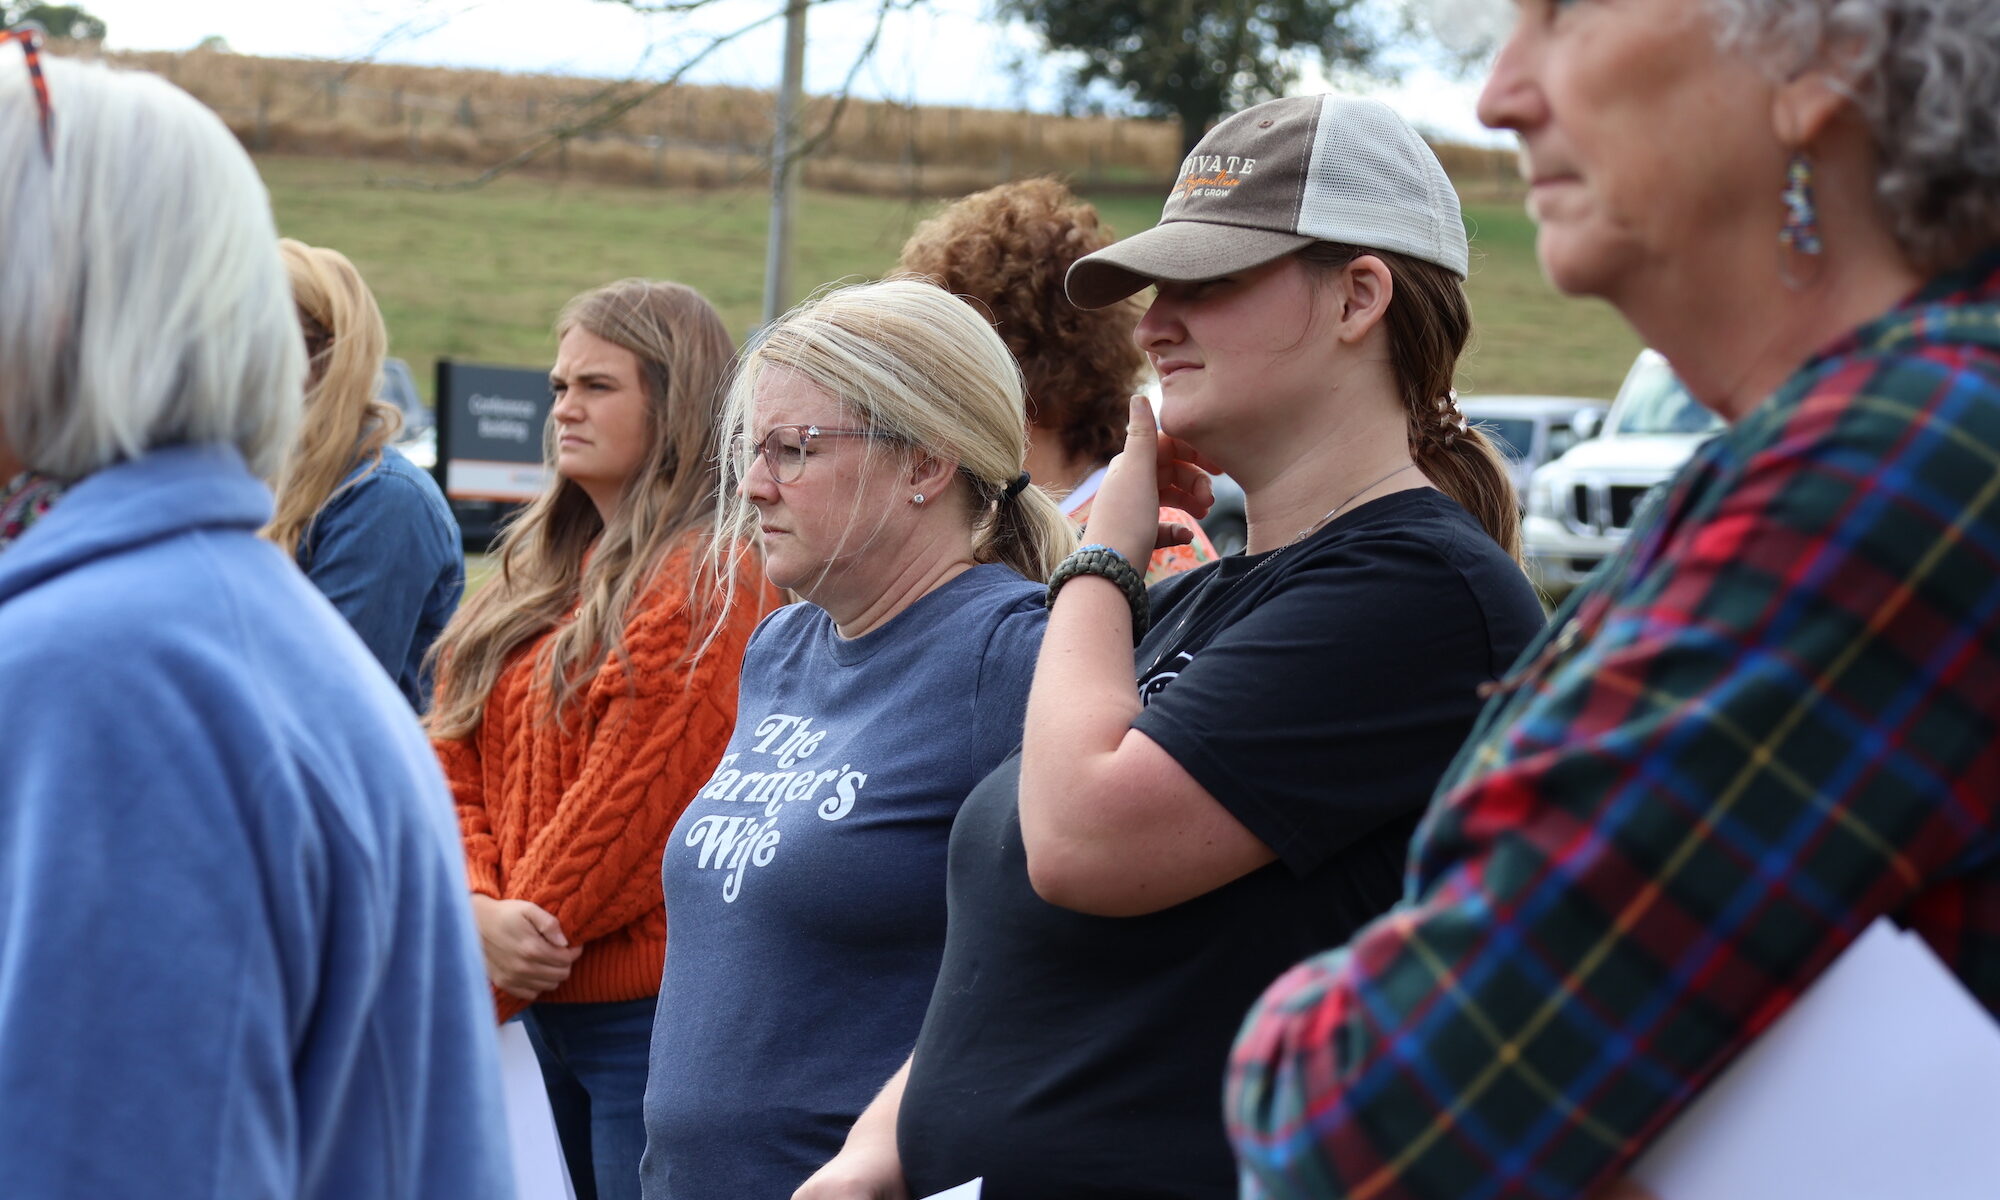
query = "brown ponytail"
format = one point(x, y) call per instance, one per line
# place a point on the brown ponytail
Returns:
point(1429, 322)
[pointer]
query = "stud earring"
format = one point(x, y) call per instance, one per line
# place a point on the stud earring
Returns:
point(917, 499)
point(1799, 242)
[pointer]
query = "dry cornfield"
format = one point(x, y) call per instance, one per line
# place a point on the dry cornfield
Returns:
point(679, 136)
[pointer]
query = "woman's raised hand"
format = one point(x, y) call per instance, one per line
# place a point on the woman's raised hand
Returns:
point(1155, 469)
point(523, 943)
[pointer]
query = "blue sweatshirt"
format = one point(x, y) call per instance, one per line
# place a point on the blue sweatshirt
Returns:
point(236, 957)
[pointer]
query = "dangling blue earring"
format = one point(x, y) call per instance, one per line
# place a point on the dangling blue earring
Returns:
point(1800, 235)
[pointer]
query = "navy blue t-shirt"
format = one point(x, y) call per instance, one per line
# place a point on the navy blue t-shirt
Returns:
point(805, 882)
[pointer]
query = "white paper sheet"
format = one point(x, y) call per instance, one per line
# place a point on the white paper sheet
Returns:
point(539, 1173)
point(1882, 1082)
point(968, 1190)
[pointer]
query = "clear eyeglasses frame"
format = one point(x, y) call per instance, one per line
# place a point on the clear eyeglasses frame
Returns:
point(786, 448)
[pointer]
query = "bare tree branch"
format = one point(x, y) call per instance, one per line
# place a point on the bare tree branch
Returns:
point(616, 99)
point(663, 7)
point(882, 11)
point(411, 28)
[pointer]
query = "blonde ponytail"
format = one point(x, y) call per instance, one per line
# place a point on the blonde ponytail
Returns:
point(344, 422)
point(1028, 533)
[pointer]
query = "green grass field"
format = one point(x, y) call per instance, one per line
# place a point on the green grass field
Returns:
point(481, 274)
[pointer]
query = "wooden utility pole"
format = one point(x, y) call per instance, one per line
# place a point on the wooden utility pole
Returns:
point(785, 166)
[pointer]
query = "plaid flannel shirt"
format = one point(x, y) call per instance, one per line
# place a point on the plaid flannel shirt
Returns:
point(1769, 720)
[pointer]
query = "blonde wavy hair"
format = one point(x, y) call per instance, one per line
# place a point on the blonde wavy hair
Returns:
point(548, 567)
point(910, 360)
point(344, 422)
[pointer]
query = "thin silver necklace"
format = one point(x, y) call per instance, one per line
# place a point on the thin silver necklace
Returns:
point(1167, 646)
point(1331, 513)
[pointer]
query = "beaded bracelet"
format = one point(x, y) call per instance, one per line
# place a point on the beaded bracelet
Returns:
point(1108, 563)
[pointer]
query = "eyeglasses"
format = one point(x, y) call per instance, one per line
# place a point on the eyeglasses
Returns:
point(30, 38)
point(785, 448)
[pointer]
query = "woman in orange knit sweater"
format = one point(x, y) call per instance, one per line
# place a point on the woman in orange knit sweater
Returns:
point(578, 708)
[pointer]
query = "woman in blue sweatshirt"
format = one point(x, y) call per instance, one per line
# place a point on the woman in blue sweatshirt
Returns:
point(235, 958)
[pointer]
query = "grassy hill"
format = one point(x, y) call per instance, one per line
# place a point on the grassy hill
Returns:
point(481, 274)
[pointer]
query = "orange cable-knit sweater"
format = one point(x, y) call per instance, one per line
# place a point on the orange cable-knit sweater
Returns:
point(576, 822)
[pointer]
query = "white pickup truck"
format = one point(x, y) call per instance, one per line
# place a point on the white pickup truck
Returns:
point(1580, 506)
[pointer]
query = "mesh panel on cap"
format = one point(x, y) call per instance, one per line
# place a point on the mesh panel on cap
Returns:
point(1372, 182)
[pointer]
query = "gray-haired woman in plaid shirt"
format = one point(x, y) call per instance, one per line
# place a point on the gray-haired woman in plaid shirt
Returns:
point(1775, 716)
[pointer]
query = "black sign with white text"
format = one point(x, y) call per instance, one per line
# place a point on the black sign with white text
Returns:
point(490, 422)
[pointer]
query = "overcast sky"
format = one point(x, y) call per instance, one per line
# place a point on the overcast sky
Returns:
point(944, 53)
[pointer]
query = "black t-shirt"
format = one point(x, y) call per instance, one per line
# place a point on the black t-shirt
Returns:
point(1318, 692)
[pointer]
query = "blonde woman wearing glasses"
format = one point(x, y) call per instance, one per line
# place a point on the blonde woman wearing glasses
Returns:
point(369, 529)
point(879, 468)
point(585, 693)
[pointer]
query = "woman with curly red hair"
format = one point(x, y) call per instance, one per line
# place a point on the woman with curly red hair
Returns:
point(1007, 250)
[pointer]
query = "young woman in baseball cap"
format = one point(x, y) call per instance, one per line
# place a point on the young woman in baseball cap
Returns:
point(1124, 887)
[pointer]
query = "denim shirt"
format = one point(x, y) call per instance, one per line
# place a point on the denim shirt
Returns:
point(385, 550)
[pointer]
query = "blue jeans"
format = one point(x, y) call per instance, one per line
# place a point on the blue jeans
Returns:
point(593, 1060)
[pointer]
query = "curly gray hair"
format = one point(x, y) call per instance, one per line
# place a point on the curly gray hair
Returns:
point(1926, 74)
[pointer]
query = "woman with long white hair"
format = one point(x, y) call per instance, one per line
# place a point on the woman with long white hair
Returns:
point(236, 953)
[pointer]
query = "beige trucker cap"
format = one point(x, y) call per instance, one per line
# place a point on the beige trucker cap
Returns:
point(1277, 177)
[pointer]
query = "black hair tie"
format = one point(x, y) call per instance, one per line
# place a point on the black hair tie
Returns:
point(1015, 488)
